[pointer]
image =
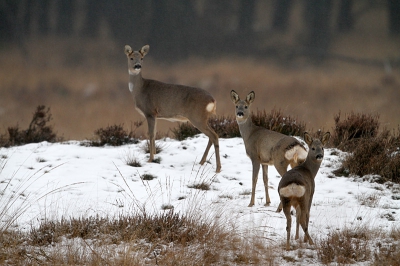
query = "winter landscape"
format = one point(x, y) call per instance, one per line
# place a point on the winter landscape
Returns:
point(48, 181)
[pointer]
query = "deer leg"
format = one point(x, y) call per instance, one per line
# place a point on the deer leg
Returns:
point(204, 158)
point(151, 123)
point(256, 169)
point(298, 213)
point(286, 211)
point(282, 169)
point(304, 224)
point(265, 179)
point(212, 139)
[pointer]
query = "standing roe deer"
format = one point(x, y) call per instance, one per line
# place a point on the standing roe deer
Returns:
point(297, 186)
point(157, 100)
point(265, 147)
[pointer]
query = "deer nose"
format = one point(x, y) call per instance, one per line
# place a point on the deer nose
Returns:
point(137, 66)
point(319, 157)
point(239, 114)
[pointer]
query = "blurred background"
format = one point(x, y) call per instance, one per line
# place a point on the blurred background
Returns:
point(311, 59)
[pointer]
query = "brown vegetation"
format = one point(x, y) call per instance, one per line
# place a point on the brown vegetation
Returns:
point(85, 85)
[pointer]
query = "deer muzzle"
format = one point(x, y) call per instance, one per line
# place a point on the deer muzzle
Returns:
point(137, 66)
point(239, 114)
point(319, 157)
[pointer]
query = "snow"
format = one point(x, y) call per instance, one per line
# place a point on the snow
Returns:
point(68, 179)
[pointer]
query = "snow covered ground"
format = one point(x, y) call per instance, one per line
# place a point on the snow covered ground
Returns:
point(50, 180)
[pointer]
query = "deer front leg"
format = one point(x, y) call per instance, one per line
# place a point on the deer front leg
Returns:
point(265, 179)
point(256, 169)
point(151, 123)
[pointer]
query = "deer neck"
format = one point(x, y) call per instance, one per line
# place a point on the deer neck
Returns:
point(135, 82)
point(312, 166)
point(246, 127)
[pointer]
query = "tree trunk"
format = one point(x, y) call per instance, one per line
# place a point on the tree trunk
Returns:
point(345, 20)
point(317, 17)
point(281, 15)
point(394, 16)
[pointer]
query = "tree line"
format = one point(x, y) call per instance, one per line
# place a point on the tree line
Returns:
point(182, 27)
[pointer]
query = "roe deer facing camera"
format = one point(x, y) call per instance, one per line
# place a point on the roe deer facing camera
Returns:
point(265, 147)
point(157, 100)
point(297, 186)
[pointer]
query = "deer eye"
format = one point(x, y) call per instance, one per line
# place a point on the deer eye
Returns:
point(237, 107)
point(313, 149)
point(245, 107)
point(131, 58)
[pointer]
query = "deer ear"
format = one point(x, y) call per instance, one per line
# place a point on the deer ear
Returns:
point(145, 49)
point(307, 138)
point(250, 97)
point(325, 138)
point(234, 97)
point(128, 50)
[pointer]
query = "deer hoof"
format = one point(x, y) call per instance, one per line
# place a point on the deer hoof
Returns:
point(251, 205)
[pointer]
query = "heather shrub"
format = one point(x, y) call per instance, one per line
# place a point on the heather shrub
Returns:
point(378, 155)
point(38, 130)
point(352, 128)
point(115, 135)
point(226, 126)
point(277, 121)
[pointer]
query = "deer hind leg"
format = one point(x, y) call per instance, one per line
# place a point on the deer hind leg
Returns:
point(212, 139)
point(152, 123)
point(282, 169)
point(304, 224)
point(286, 211)
point(298, 213)
point(265, 179)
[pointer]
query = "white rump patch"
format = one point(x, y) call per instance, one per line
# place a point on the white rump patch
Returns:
point(292, 190)
point(130, 84)
point(210, 107)
point(297, 153)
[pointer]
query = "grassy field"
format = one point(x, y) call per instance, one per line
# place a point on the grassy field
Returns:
point(85, 84)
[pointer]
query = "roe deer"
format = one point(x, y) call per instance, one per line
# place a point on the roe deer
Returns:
point(297, 186)
point(157, 100)
point(265, 147)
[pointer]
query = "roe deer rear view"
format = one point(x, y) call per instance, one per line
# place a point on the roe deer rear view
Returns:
point(265, 147)
point(157, 100)
point(297, 186)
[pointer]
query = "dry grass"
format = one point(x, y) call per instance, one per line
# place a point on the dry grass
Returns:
point(163, 239)
point(86, 85)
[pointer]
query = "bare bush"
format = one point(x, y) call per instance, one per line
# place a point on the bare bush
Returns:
point(377, 155)
point(355, 126)
point(38, 130)
point(115, 135)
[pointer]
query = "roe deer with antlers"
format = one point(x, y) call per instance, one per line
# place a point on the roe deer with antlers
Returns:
point(297, 186)
point(157, 100)
point(265, 147)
